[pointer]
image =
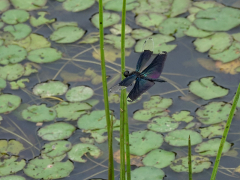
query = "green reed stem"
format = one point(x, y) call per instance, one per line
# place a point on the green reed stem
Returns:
point(225, 133)
point(105, 89)
point(111, 174)
point(189, 159)
point(122, 147)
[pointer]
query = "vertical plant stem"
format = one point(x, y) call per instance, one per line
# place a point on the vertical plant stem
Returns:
point(122, 147)
point(189, 159)
point(225, 133)
point(111, 174)
point(105, 89)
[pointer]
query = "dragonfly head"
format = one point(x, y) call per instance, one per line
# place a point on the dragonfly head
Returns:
point(126, 73)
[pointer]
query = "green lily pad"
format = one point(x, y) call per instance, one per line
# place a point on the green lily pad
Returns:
point(228, 55)
point(159, 43)
point(11, 166)
point(50, 88)
point(19, 31)
point(15, 16)
point(40, 113)
point(14, 147)
point(29, 69)
point(11, 72)
point(215, 43)
point(13, 177)
point(217, 19)
point(67, 34)
point(141, 33)
point(44, 55)
point(199, 163)
point(28, 5)
point(179, 7)
point(198, 33)
point(175, 26)
point(193, 125)
point(12, 54)
point(236, 37)
point(90, 38)
point(77, 5)
point(210, 148)
point(60, 24)
point(57, 158)
point(56, 131)
point(180, 137)
point(157, 102)
point(20, 83)
point(147, 114)
point(98, 136)
point(41, 20)
point(109, 19)
point(3, 83)
point(207, 4)
point(194, 10)
point(116, 5)
point(158, 158)
point(1, 25)
point(213, 130)
point(143, 173)
point(87, 140)
point(182, 116)
point(116, 41)
point(116, 29)
point(48, 169)
point(214, 112)
point(150, 21)
point(207, 89)
point(56, 148)
point(4, 5)
point(9, 103)
point(79, 93)
point(78, 150)
point(163, 124)
point(71, 111)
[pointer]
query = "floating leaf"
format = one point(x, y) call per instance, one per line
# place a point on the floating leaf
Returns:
point(4, 5)
point(157, 102)
point(12, 146)
point(50, 88)
point(57, 158)
point(73, 77)
point(207, 89)
point(183, 116)
point(179, 7)
point(236, 37)
point(213, 130)
point(210, 148)
point(109, 19)
point(198, 33)
point(71, 111)
point(79, 93)
point(41, 20)
point(194, 10)
point(11, 72)
point(15, 16)
point(116, 41)
point(116, 5)
point(3, 84)
point(44, 55)
point(199, 163)
point(180, 137)
point(12, 54)
point(28, 5)
point(11, 166)
point(13, 177)
point(48, 169)
point(60, 24)
point(213, 112)
point(19, 31)
point(193, 125)
point(159, 158)
point(29, 70)
point(97, 135)
point(77, 5)
point(56, 131)
point(67, 34)
point(90, 38)
point(78, 150)
point(116, 29)
point(9, 103)
point(143, 173)
point(56, 148)
point(18, 84)
point(147, 114)
point(140, 33)
point(217, 19)
point(207, 4)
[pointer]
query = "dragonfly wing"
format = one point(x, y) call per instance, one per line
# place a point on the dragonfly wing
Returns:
point(143, 59)
point(141, 86)
point(128, 80)
point(154, 70)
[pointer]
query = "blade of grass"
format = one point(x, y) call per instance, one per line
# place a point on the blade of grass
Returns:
point(189, 158)
point(225, 133)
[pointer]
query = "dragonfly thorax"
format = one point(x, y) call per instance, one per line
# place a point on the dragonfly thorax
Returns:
point(138, 74)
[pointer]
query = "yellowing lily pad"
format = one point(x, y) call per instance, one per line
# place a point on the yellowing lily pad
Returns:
point(213, 130)
point(116, 41)
point(140, 33)
point(44, 55)
point(116, 5)
point(79, 93)
point(77, 5)
point(28, 5)
point(198, 33)
point(179, 7)
point(143, 173)
point(4, 5)
point(182, 116)
point(13, 147)
point(15, 16)
point(163, 124)
point(19, 31)
point(90, 38)
point(116, 29)
point(35, 22)
point(56, 148)
point(60, 24)
point(11, 72)
point(11, 166)
point(109, 19)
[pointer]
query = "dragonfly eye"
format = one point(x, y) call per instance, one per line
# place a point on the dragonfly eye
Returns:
point(126, 73)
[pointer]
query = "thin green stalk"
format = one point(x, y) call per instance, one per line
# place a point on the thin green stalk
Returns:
point(111, 168)
point(225, 133)
point(189, 159)
point(122, 146)
point(105, 89)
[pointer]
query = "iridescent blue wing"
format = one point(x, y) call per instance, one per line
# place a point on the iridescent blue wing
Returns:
point(128, 80)
point(154, 70)
point(143, 59)
point(141, 86)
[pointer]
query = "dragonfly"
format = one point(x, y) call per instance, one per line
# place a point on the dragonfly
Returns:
point(145, 79)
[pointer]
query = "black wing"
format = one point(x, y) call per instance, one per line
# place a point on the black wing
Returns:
point(128, 80)
point(143, 59)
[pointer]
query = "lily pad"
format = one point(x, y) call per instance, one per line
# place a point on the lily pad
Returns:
point(15, 16)
point(157, 102)
point(11, 72)
point(4, 5)
point(50, 88)
point(179, 7)
point(56, 131)
point(217, 19)
point(13, 177)
point(11, 166)
point(199, 163)
point(141, 33)
point(159, 43)
point(71, 111)
point(57, 158)
point(67, 34)
point(14, 147)
point(3, 84)
point(109, 19)
point(77, 5)
point(116, 5)
point(236, 37)
point(56, 148)
point(175, 26)
point(48, 169)
point(19, 31)
point(213, 130)
point(158, 158)
point(210, 148)
point(143, 173)
point(60, 24)
point(214, 112)
point(41, 20)
point(28, 5)
point(116, 29)
point(9, 103)
point(163, 124)
point(180, 137)
point(90, 38)
point(207, 89)
point(44, 55)
point(29, 69)
point(182, 116)
point(147, 114)
point(150, 20)
point(116, 41)
point(78, 150)
point(79, 93)
point(207, 4)
point(198, 33)
point(12, 54)
point(40, 113)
